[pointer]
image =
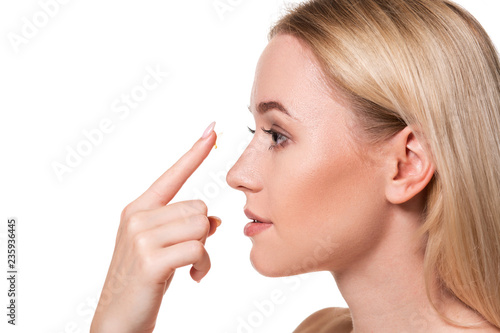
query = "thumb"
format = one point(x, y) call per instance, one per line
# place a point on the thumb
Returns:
point(215, 222)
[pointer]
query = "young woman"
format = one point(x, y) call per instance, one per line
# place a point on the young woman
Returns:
point(376, 157)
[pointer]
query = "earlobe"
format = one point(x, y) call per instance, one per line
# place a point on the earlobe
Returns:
point(410, 167)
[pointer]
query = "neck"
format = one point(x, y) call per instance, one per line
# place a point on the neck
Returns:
point(386, 289)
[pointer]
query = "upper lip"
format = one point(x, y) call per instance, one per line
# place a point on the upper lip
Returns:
point(253, 216)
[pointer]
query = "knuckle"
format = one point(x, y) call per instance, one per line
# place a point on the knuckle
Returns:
point(125, 212)
point(200, 206)
point(190, 207)
point(196, 249)
point(146, 264)
point(140, 241)
point(185, 208)
point(200, 224)
point(134, 223)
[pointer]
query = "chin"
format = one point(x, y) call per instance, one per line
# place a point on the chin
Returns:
point(267, 270)
point(272, 266)
point(265, 264)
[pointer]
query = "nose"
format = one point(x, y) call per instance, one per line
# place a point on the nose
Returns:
point(245, 174)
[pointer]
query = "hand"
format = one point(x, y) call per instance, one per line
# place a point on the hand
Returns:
point(154, 238)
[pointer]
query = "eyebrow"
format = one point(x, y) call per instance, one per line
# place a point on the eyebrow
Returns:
point(263, 107)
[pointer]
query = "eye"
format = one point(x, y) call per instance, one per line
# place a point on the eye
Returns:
point(275, 136)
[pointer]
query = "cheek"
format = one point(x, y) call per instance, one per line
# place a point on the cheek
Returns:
point(317, 192)
point(325, 209)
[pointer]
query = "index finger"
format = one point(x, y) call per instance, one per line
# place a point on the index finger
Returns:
point(164, 188)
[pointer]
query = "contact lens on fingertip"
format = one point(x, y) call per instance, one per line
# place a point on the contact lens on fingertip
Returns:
point(215, 145)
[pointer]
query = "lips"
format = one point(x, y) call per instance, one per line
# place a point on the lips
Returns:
point(255, 217)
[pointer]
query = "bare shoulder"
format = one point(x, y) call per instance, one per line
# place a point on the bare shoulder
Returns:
point(327, 320)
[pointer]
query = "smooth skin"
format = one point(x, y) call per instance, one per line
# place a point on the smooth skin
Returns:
point(154, 239)
point(337, 203)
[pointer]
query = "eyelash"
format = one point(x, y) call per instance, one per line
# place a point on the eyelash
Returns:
point(272, 133)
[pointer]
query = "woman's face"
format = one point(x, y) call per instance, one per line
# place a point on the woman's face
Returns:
point(312, 180)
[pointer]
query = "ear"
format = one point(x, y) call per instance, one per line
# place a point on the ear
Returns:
point(410, 168)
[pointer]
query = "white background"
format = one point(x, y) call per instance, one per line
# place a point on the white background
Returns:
point(69, 76)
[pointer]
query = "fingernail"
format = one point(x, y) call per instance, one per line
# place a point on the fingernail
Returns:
point(218, 221)
point(208, 130)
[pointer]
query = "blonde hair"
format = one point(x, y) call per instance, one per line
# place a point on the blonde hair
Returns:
point(427, 64)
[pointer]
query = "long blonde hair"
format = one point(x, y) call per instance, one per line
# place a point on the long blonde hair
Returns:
point(428, 64)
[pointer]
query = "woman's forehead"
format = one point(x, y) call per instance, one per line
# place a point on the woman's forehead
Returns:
point(287, 72)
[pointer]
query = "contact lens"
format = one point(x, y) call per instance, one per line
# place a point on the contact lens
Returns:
point(215, 145)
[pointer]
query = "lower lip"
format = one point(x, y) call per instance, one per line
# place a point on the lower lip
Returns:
point(253, 228)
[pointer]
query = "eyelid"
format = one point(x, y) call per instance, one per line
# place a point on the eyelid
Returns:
point(272, 132)
point(269, 131)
